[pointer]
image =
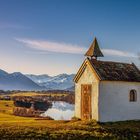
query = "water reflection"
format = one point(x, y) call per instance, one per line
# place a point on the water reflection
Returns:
point(60, 111)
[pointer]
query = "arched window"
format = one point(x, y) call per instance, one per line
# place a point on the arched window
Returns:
point(133, 95)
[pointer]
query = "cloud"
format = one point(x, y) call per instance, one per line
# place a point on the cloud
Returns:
point(51, 46)
point(113, 52)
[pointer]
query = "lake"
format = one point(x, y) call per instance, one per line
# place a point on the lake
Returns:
point(60, 111)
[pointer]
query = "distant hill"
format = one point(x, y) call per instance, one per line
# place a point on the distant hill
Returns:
point(71, 88)
point(16, 81)
point(19, 81)
point(59, 82)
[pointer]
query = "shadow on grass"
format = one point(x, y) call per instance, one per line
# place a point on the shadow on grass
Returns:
point(74, 130)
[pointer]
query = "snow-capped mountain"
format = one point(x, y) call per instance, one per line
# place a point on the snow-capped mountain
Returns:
point(59, 82)
point(2, 72)
point(16, 81)
point(39, 78)
point(19, 81)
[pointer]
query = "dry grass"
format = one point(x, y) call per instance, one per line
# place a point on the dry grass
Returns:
point(34, 94)
point(6, 107)
point(14, 127)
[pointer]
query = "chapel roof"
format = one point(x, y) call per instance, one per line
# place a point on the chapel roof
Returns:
point(108, 70)
point(116, 71)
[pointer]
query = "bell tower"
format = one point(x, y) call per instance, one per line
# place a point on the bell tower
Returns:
point(94, 50)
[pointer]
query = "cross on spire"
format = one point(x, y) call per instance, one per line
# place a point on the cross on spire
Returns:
point(94, 50)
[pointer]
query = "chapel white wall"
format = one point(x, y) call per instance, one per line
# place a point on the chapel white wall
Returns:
point(114, 104)
point(87, 77)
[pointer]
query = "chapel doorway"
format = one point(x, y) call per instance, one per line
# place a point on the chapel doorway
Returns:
point(86, 101)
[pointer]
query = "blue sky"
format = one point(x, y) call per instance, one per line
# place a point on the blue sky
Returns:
point(51, 36)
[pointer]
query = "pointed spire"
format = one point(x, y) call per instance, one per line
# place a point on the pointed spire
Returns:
point(94, 50)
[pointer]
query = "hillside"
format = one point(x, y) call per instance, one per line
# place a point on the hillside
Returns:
point(16, 81)
point(14, 127)
point(19, 81)
point(59, 82)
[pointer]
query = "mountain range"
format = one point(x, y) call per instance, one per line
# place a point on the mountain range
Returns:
point(59, 82)
point(19, 81)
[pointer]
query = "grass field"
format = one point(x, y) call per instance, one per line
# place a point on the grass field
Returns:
point(35, 94)
point(14, 127)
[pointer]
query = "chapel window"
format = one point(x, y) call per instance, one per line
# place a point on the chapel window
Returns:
point(133, 95)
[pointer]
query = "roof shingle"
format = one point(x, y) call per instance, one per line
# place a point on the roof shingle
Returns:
point(116, 71)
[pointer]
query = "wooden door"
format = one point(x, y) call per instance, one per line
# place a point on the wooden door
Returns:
point(86, 102)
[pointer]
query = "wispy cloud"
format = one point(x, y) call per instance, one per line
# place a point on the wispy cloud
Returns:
point(113, 52)
point(51, 46)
